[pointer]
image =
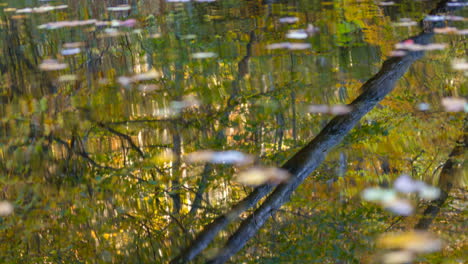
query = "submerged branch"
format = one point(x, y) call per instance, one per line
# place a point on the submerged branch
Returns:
point(447, 177)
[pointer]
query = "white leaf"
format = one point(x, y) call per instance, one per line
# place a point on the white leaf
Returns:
point(6, 208)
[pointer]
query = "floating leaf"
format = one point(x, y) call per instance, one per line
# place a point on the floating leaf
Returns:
point(52, 65)
point(62, 24)
point(297, 34)
point(414, 241)
point(405, 184)
point(146, 76)
point(73, 45)
point(405, 22)
point(189, 36)
point(429, 193)
point(386, 3)
point(127, 23)
point(333, 109)
point(454, 104)
point(396, 257)
point(378, 195)
point(281, 45)
point(69, 52)
point(112, 32)
point(67, 78)
point(412, 46)
point(446, 30)
point(399, 206)
point(423, 107)
point(257, 176)
point(288, 20)
point(434, 18)
point(204, 55)
point(119, 8)
point(457, 4)
point(299, 46)
point(40, 9)
point(220, 157)
point(289, 45)
point(146, 88)
point(311, 30)
point(397, 53)
point(460, 65)
point(6, 208)
point(125, 81)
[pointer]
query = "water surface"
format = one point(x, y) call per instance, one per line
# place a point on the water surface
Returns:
point(102, 101)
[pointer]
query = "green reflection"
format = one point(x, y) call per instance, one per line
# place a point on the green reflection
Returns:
point(93, 156)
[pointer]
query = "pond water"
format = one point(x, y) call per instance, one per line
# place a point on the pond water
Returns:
point(128, 126)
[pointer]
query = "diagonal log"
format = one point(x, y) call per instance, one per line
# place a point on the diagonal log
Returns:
point(303, 163)
point(312, 155)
